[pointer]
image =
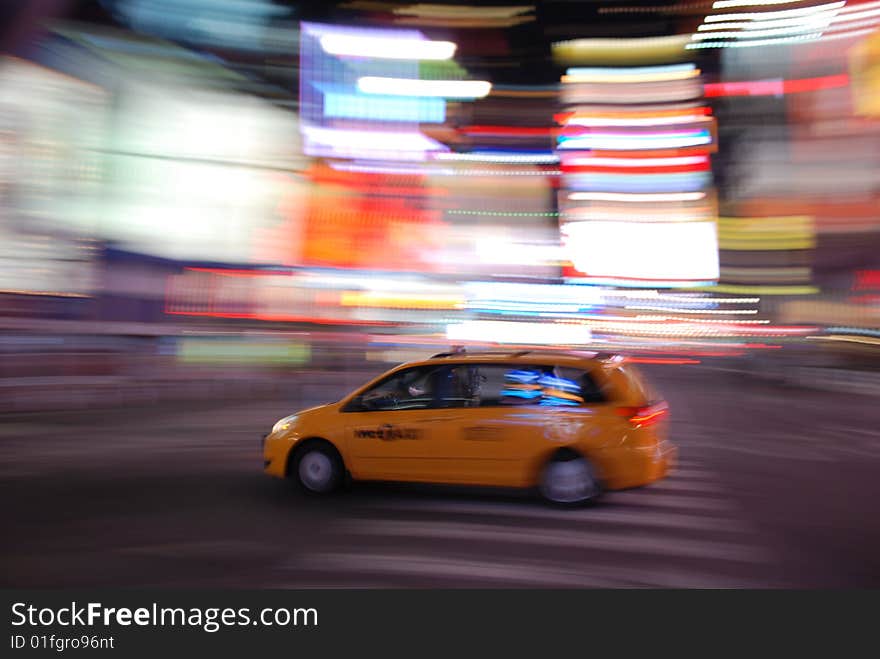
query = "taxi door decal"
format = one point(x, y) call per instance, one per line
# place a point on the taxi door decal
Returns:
point(387, 433)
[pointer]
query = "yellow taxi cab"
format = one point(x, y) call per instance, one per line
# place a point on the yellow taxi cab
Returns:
point(567, 423)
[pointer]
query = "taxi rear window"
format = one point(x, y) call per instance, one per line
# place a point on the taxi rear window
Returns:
point(527, 384)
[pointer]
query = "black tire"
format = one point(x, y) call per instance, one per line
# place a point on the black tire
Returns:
point(568, 479)
point(317, 468)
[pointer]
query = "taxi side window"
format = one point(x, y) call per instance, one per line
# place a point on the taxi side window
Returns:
point(546, 386)
point(424, 387)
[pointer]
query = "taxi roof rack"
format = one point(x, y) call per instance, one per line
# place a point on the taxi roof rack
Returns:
point(599, 355)
point(456, 353)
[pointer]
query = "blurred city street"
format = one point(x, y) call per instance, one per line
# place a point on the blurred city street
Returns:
point(767, 495)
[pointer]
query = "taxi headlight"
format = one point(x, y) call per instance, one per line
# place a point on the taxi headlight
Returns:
point(284, 424)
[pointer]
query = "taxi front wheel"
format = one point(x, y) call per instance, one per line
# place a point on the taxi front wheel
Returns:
point(317, 468)
point(569, 479)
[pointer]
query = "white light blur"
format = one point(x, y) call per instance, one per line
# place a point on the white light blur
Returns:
point(772, 15)
point(757, 34)
point(523, 254)
point(634, 142)
point(693, 299)
point(518, 158)
point(818, 20)
point(676, 215)
point(635, 70)
point(726, 4)
point(781, 40)
point(533, 293)
point(624, 76)
point(400, 170)
point(364, 139)
point(683, 251)
point(432, 88)
point(542, 333)
point(647, 307)
point(636, 197)
point(384, 47)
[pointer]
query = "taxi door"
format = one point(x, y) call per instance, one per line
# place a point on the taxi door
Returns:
point(403, 429)
point(401, 445)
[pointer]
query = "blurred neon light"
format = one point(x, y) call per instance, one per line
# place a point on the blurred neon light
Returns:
point(646, 307)
point(718, 321)
point(587, 161)
point(640, 282)
point(462, 11)
point(772, 15)
point(624, 141)
point(660, 74)
point(386, 47)
point(519, 158)
point(432, 88)
point(634, 169)
point(627, 71)
point(673, 215)
point(662, 360)
point(371, 139)
point(638, 121)
point(697, 298)
point(781, 40)
point(413, 170)
point(766, 290)
point(757, 34)
point(685, 251)
point(654, 112)
point(519, 332)
point(775, 87)
point(400, 301)
point(508, 131)
point(384, 108)
point(496, 172)
point(276, 317)
point(815, 20)
point(625, 181)
point(726, 4)
point(632, 197)
point(481, 291)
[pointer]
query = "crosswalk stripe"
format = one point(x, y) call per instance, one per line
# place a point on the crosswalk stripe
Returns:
point(581, 517)
point(520, 573)
point(633, 543)
point(650, 499)
point(681, 473)
point(674, 485)
point(410, 565)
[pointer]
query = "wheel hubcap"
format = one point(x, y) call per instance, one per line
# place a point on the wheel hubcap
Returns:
point(316, 471)
point(569, 481)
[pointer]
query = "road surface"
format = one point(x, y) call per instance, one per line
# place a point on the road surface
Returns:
point(777, 487)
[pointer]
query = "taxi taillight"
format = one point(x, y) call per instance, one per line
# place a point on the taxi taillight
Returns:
point(647, 415)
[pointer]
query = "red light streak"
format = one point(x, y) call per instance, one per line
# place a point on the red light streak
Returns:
point(662, 360)
point(774, 87)
point(509, 131)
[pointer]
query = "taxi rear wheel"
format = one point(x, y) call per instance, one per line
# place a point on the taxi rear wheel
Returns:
point(317, 468)
point(569, 479)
